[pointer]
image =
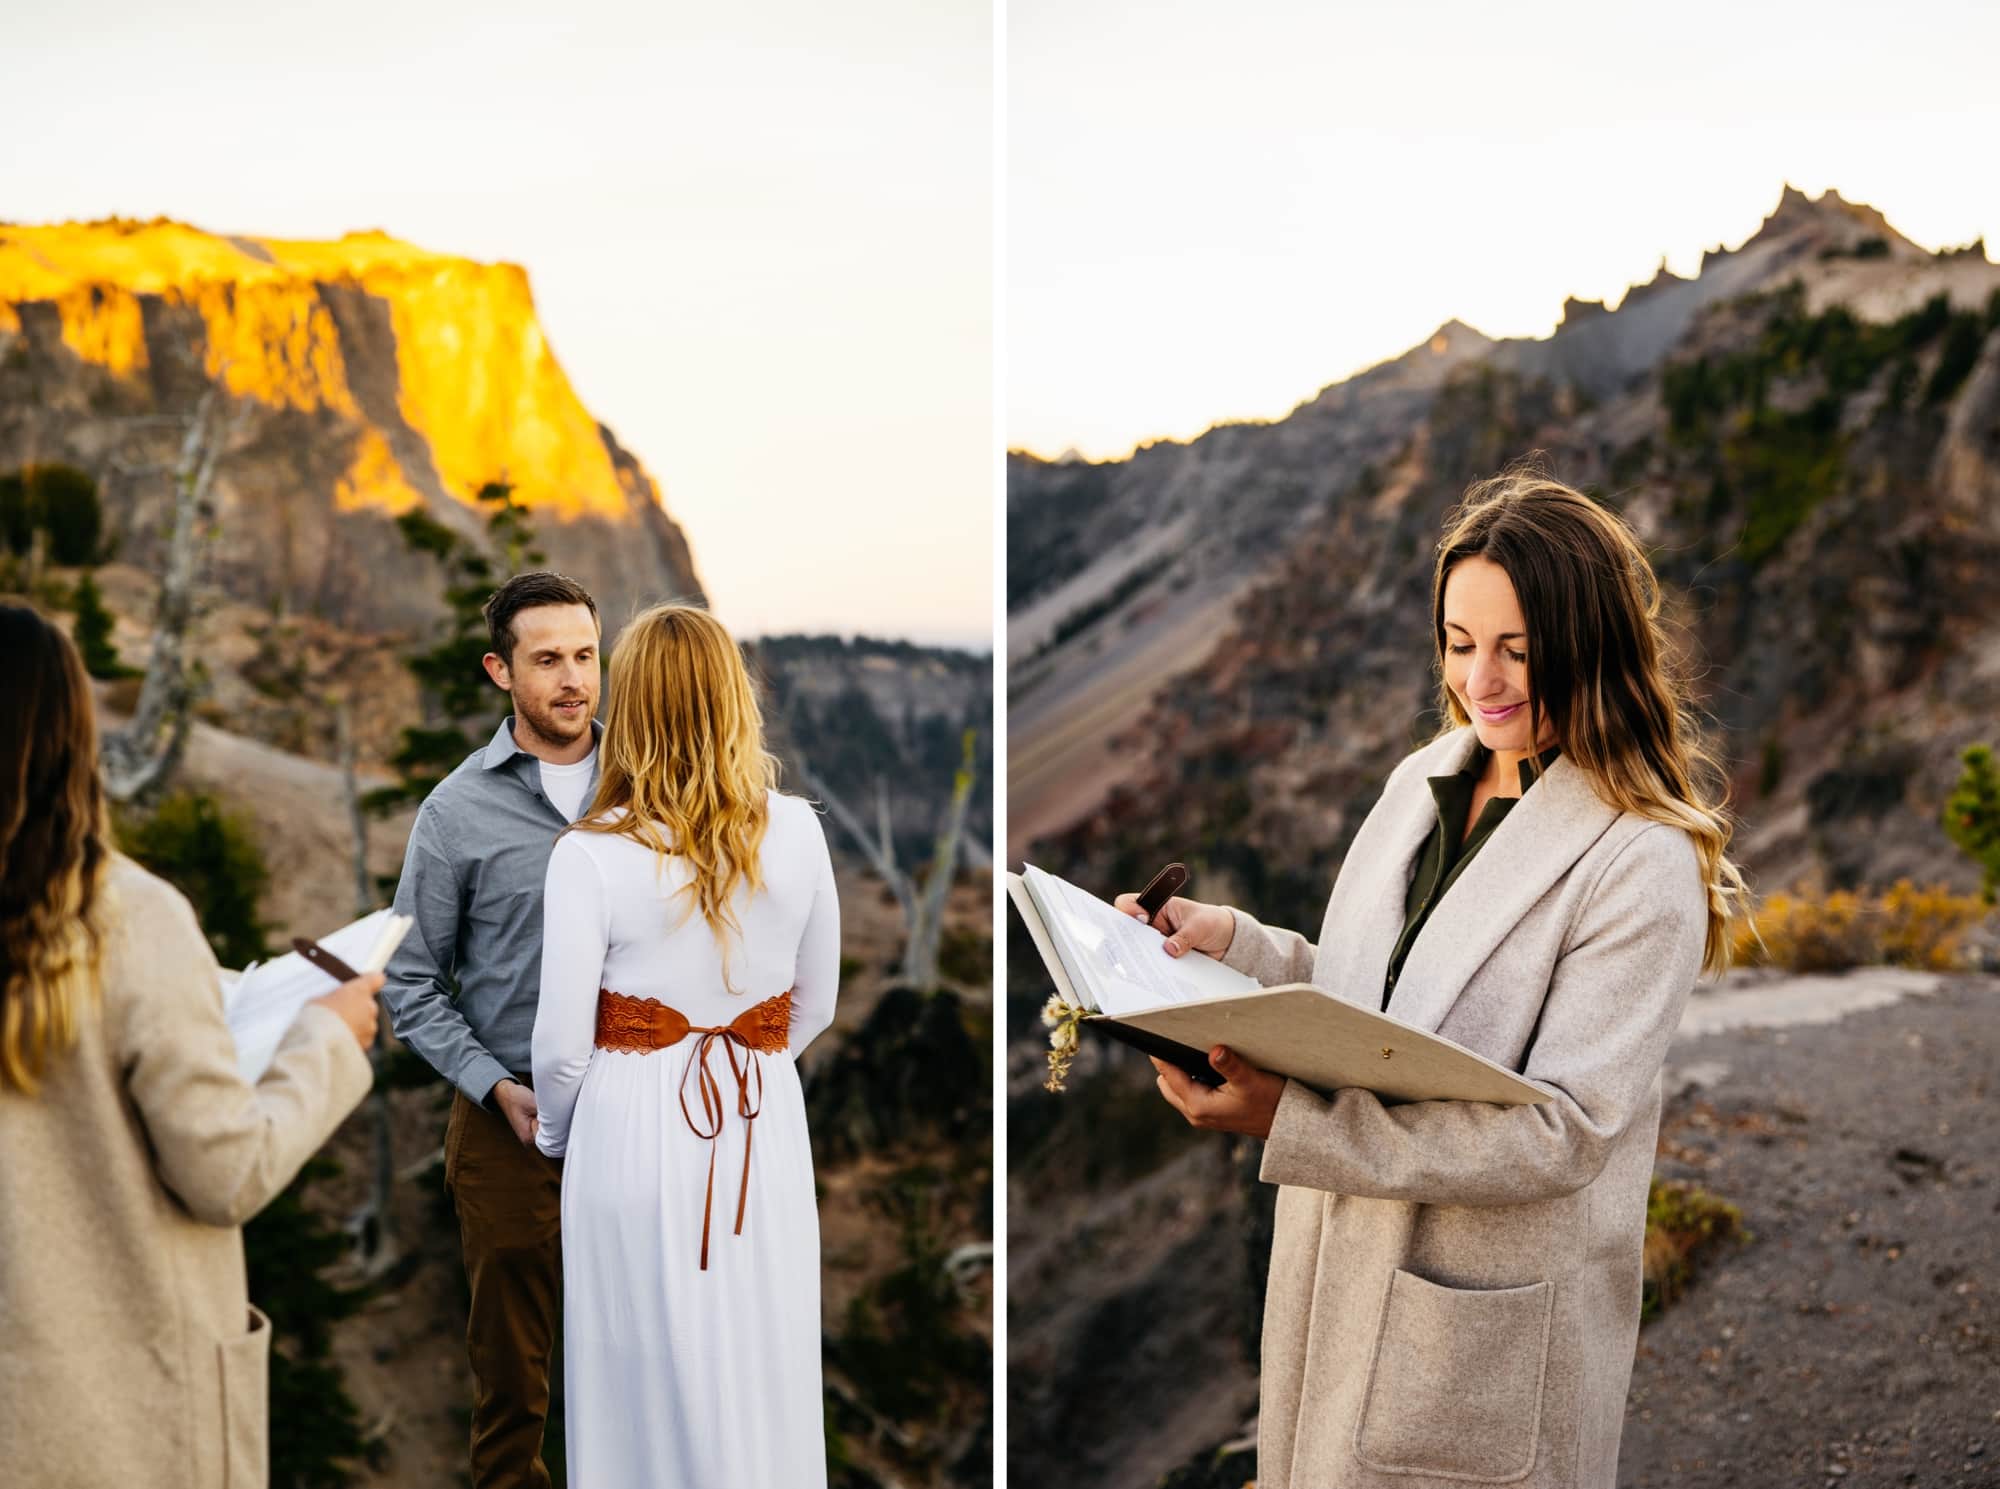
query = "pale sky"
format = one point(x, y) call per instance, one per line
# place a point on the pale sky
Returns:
point(1216, 210)
point(759, 235)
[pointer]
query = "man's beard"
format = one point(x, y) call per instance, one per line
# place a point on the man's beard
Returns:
point(553, 726)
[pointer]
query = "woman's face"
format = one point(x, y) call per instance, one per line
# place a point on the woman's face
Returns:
point(1485, 654)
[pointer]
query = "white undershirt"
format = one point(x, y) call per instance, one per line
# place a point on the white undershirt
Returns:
point(564, 785)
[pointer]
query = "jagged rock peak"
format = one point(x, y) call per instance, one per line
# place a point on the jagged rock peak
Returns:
point(1454, 335)
point(1662, 279)
point(1828, 212)
point(1576, 311)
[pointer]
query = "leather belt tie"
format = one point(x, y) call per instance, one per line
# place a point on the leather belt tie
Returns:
point(643, 1025)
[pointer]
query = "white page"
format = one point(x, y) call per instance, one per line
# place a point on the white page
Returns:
point(260, 1003)
point(1122, 962)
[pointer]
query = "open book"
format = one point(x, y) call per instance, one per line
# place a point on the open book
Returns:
point(1178, 1008)
point(260, 1002)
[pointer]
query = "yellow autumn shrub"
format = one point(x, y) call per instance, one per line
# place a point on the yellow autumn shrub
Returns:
point(1906, 926)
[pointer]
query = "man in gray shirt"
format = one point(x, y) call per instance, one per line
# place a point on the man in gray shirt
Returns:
point(462, 990)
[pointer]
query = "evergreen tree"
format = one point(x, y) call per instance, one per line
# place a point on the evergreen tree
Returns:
point(1972, 816)
point(315, 1424)
point(17, 514)
point(92, 630)
point(65, 500)
point(209, 855)
point(462, 702)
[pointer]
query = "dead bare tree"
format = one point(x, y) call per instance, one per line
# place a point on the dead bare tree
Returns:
point(138, 759)
point(372, 1227)
point(922, 905)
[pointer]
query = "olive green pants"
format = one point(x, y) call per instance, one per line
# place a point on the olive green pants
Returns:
point(509, 1201)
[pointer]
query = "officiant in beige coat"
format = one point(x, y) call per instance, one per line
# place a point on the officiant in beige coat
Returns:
point(1454, 1286)
point(129, 1352)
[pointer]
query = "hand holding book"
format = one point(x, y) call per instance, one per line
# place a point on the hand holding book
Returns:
point(1246, 1102)
point(1112, 975)
point(260, 1002)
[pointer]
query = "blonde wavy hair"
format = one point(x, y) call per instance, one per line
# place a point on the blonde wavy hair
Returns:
point(683, 755)
point(54, 850)
point(1602, 668)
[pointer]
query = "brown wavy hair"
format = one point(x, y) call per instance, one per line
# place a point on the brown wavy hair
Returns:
point(54, 849)
point(1601, 666)
point(683, 754)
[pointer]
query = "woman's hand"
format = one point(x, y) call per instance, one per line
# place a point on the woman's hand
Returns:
point(1246, 1104)
point(1189, 924)
point(355, 1003)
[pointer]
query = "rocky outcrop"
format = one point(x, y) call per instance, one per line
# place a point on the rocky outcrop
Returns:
point(871, 715)
point(368, 378)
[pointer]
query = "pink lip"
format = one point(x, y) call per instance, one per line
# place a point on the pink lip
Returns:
point(1492, 717)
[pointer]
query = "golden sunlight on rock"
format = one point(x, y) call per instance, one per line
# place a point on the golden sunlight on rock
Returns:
point(475, 376)
point(274, 342)
point(1440, 344)
point(374, 482)
point(365, 379)
point(103, 324)
point(479, 381)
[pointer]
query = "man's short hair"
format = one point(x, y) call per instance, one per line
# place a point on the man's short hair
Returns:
point(525, 592)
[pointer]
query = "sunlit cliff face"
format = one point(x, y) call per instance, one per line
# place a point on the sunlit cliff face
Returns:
point(475, 378)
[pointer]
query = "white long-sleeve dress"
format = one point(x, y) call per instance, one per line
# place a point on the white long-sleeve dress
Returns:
point(677, 1377)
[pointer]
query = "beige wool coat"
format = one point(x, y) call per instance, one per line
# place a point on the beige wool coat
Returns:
point(1454, 1286)
point(129, 1353)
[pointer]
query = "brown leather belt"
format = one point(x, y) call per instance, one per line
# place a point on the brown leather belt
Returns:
point(642, 1025)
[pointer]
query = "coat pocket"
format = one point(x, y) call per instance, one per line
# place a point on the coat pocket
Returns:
point(1455, 1386)
point(246, 1406)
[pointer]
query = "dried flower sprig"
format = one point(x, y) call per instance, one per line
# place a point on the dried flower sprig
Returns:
point(1064, 1020)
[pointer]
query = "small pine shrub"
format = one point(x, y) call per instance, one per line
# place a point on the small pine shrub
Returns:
point(209, 855)
point(1972, 816)
point(92, 629)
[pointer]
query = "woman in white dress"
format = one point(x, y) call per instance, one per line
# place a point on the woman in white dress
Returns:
point(692, 947)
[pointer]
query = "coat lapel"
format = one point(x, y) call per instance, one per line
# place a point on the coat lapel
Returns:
point(1541, 839)
point(1364, 918)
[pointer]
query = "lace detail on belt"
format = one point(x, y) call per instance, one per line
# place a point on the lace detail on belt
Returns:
point(643, 1025)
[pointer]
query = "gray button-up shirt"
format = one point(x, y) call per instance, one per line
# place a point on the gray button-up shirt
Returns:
point(462, 987)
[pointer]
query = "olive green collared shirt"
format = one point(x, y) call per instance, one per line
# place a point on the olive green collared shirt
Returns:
point(1444, 857)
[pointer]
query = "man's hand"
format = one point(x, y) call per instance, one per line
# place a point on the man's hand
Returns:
point(1246, 1104)
point(517, 1105)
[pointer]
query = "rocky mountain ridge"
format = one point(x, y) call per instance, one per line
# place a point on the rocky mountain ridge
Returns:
point(1350, 534)
point(366, 378)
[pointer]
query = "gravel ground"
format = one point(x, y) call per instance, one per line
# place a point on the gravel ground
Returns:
point(1852, 1341)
